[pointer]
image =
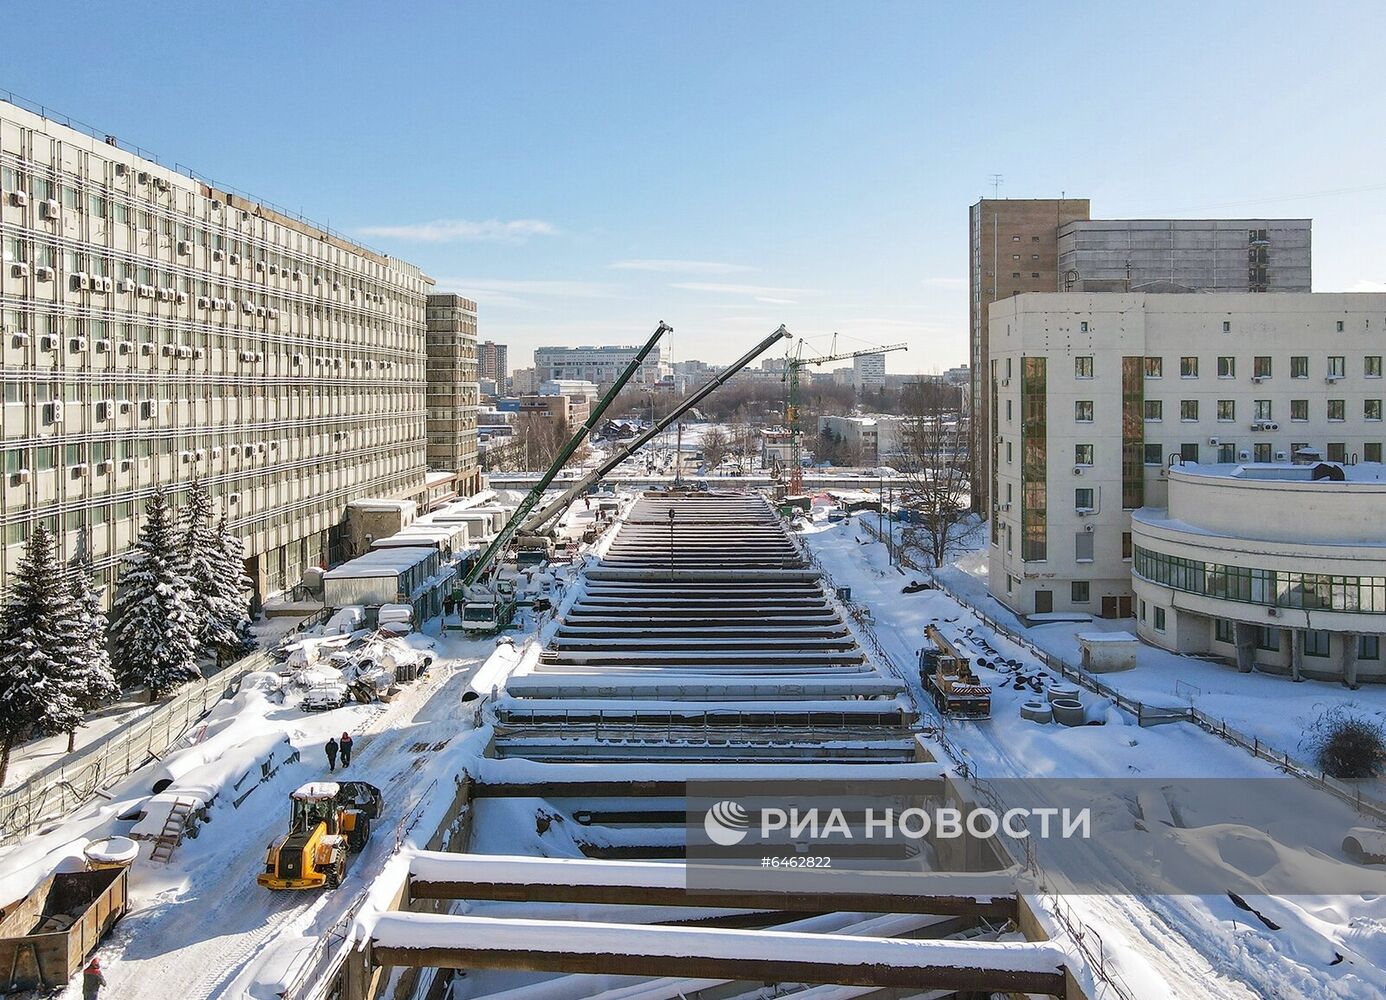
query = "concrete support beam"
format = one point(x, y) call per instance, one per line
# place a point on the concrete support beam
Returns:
point(1350, 644)
point(1244, 637)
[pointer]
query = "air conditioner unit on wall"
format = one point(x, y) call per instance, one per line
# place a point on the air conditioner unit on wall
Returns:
point(1077, 470)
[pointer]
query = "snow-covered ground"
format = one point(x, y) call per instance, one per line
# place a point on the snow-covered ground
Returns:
point(1177, 946)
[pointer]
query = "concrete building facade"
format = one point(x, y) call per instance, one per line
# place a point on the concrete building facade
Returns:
point(453, 393)
point(1093, 395)
point(1186, 255)
point(1277, 567)
point(600, 365)
point(157, 329)
point(869, 371)
point(493, 361)
point(1013, 247)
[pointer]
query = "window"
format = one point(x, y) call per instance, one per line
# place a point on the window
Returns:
point(1371, 366)
point(1261, 451)
point(1142, 611)
point(1339, 326)
point(1126, 545)
point(1261, 366)
point(1227, 410)
point(1009, 457)
point(1015, 239)
point(1082, 365)
point(1299, 366)
point(1299, 409)
point(1154, 409)
point(1078, 590)
point(1188, 409)
point(1159, 619)
point(1222, 630)
point(1316, 641)
point(1015, 274)
point(1083, 326)
point(1082, 454)
point(1154, 455)
point(1082, 411)
point(1369, 647)
point(1371, 409)
point(1371, 451)
point(1226, 326)
point(1008, 411)
point(1034, 274)
point(1227, 452)
point(1083, 498)
point(1188, 452)
point(1262, 409)
point(1337, 366)
point(1227, 367)
point(1337, 410)
point(1268, 638)
point(1154, 367)
point(1082, 546)
point(1188, 367)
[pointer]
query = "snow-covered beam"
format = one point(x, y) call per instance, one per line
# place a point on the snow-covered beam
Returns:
point(450, 942)
point(437, 875)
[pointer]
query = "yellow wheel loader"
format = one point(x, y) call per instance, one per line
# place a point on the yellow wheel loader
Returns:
point(327, 820)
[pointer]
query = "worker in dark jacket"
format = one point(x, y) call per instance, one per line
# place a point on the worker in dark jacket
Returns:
point(92, 980)
point(331, 754)
point(345, 743)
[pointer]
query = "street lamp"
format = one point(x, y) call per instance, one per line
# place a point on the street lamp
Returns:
point(671, 543)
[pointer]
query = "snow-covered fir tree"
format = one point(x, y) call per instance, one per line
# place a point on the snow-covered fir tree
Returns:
point(237, 588)
point(89, 677)
point(35, 650)
point(200, 561)
point(154, 627)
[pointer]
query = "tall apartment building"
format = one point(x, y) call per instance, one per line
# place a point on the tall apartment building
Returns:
point(1186, 255)
point(157, 329)
point(1094, 396)
point(869, 371)
point(1046, 245)
point(600, 365)
point(453, 393)
point(493, 361)
point(1013, 248)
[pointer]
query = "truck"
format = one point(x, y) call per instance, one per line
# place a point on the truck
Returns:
point(489, 609)
point(948, 677)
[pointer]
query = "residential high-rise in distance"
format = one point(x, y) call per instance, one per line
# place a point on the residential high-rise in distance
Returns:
point(869, 371)
point(492, 361)
point(453, 395)
point(599, 365)
point(157, 329)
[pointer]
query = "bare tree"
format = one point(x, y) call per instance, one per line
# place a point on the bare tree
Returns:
point(716, 446)
point(745, 441)
point(934, 460)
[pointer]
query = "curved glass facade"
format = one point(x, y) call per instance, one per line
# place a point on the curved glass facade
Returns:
point(1269, 587)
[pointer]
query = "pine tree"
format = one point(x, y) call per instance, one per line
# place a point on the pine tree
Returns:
point(33, 650)
point(89, 677)
point(153, 623)
point(199, 555)
point(236, 589)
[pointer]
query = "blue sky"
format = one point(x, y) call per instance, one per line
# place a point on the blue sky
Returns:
point(585, 170)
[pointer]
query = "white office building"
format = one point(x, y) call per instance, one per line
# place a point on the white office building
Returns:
point(599, 365)
point(1095, 395)
point(869, 371)
point(157, 329)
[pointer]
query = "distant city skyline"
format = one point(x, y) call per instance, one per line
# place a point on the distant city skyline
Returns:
point(795, 163)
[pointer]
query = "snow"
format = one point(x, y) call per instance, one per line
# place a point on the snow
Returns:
point(381, 562)
point(113, 851)
point(1177, 946)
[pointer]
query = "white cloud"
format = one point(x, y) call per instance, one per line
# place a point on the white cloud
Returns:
point(770, 300)
point(680, 266)
point(465, 231)
point(778, 296)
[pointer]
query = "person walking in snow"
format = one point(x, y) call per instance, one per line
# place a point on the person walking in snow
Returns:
point(345, 744)
point(331, 754)
point(92, 979)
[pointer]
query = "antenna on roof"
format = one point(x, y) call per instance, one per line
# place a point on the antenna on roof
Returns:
point(996, 180)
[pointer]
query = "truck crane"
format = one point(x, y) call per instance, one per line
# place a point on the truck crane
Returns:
point(792, 367)
point(488, 608)
point(556, 507)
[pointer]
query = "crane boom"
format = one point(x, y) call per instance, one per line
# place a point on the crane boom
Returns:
point(503, 537)
point(547, 514)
